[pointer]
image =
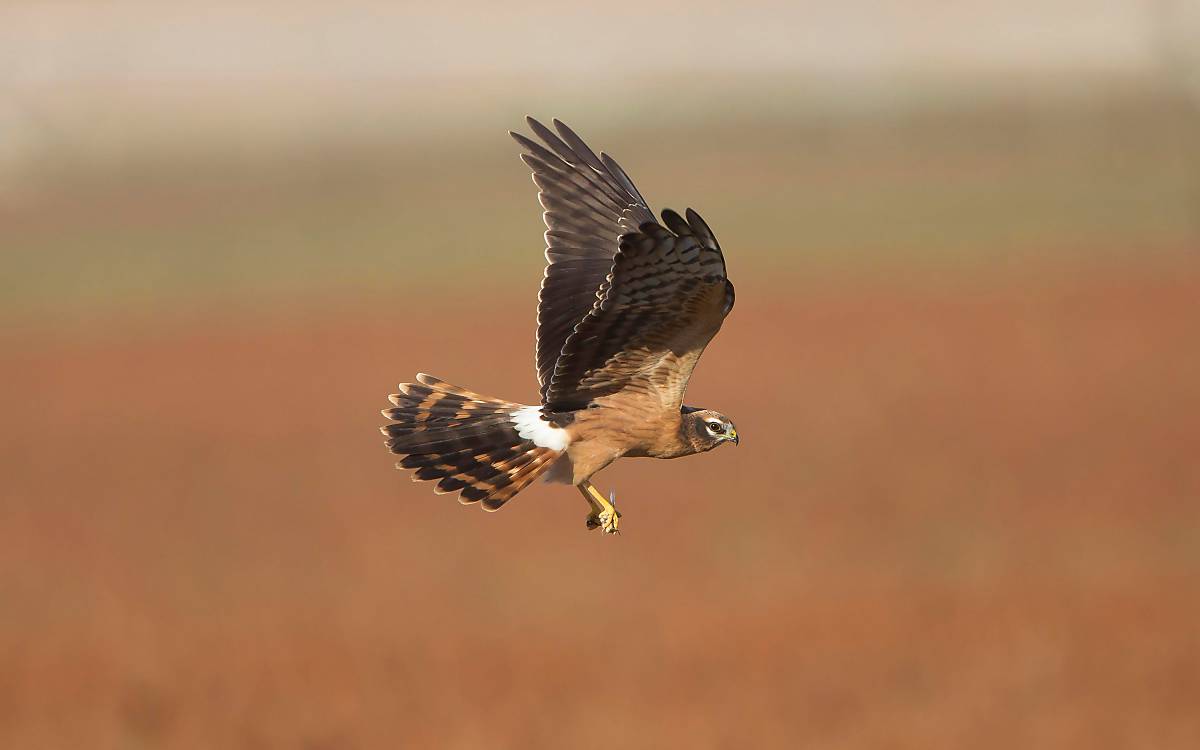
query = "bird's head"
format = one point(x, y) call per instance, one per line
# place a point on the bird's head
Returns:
point(705, 429)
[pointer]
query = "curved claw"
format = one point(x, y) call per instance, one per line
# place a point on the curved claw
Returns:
point(604, 513)
point(609, 519)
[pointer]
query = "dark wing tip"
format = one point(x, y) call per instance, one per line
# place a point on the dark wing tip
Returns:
point(577, 145)
point(553, 141)
point(622, 178)
point(699, 226)
point(523, 140)
point(675, 223)
point(570, 137)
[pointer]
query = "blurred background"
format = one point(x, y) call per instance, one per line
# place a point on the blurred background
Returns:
point(965, 238)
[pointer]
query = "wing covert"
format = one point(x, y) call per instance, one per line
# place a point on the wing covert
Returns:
point(664, 300)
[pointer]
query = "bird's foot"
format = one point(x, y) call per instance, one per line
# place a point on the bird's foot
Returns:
point(604, 513)
point(609, 521)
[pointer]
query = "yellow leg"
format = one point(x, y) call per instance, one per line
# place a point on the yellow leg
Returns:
point(604, 513)
point(593, 519)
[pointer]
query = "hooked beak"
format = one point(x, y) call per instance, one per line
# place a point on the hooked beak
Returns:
point(733, 436)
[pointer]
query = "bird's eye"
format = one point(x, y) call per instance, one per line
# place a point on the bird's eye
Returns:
point(716, 427)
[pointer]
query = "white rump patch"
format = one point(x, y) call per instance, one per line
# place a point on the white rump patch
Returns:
point(531, 426)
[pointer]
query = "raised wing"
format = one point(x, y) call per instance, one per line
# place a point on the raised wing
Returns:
point(666, 298)
point(589, 203)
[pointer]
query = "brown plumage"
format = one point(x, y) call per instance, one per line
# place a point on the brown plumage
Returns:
point(465, 440)
point(626, 308)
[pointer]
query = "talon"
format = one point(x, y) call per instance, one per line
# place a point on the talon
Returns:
point(604, 513)
point(609, 519)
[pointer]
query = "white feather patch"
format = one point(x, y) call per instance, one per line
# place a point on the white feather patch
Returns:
point(531, 426)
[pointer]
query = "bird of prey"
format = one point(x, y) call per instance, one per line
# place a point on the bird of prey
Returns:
point(627, 306)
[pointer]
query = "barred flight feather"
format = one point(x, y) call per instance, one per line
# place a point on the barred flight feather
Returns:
point(589, 201)
point(468, 443)
point(665, 299)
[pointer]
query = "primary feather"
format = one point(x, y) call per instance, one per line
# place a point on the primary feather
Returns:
point(589, 203)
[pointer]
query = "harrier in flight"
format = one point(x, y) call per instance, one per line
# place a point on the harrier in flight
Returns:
point(626, 308)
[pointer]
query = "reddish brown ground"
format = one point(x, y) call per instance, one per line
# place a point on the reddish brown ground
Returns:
point(965, 514)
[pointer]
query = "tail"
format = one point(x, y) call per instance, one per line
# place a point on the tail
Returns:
point(484, 448)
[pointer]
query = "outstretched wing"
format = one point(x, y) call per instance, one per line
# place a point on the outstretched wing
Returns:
point(589, 203)
point(666, 298)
